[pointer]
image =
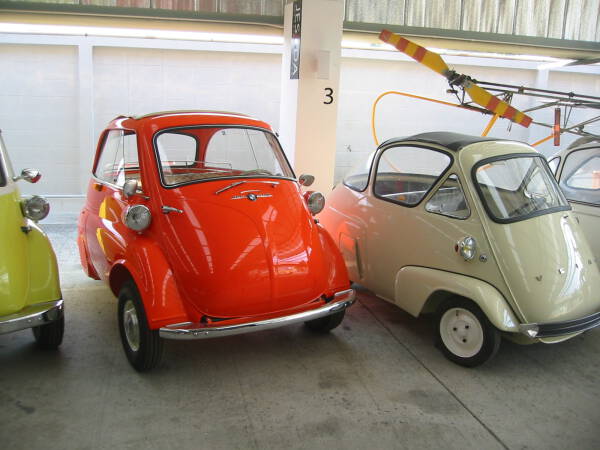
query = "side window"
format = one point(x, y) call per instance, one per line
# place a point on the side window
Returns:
point(105, 169)
point(449, 200)
point(129, 166)
point(581, 176)
point(405, 174)
point(358, 177)
point(119, 159)
point(2, 175)
point(553, 163)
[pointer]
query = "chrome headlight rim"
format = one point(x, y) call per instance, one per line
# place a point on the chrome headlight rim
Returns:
point(468, 248)
point(315, 202)
point(36, 208)
point(137, 217)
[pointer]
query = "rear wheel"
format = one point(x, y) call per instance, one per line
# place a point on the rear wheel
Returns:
point(143, 346)
point(327, 323)
point(465, 334)
point(50, 336)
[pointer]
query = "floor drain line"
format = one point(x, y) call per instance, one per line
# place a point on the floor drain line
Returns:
point(432, 373)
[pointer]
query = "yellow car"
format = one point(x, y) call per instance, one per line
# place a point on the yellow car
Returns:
point(30, 295)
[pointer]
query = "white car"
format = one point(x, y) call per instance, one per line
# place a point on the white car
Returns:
point(474, 229)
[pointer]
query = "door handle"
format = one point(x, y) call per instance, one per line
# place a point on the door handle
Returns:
point(98, 186)
point(169, 209)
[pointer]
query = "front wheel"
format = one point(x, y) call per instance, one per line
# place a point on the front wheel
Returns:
point(465, 334)
point(50, 336)
point(142, 345)
point(327, 323)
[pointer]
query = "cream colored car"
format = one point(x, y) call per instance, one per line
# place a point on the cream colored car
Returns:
point(577, 169)
point(474, 229)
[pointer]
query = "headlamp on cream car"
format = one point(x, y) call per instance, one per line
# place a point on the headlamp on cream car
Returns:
point(467, 248)
point(36, 208)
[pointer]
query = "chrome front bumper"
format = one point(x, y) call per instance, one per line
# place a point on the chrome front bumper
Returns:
point(32, 316)
point(554, 329)
point(189, 330)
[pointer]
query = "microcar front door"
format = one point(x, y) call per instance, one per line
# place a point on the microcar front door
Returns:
point(234, 225)
point(14, 264)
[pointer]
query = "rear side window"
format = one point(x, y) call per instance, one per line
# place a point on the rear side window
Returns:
point(449, 200)
point(580, 180)
point(406, 174)
point(358, 177)
point(118, 160)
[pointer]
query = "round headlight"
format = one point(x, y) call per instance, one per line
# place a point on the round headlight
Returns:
point(468, 248)
point(315, 202)
point(138, 217)
point(36, 208)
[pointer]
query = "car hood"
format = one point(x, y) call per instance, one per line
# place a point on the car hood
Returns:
point(235, 256)
point(548, 267)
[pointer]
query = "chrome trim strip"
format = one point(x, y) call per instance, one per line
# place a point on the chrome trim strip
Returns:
point(32, 316)
point(552, 329)
point(188, 331)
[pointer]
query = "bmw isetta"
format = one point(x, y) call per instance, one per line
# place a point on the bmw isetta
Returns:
point(474, 229)
point(197, 223)
point(30, 295)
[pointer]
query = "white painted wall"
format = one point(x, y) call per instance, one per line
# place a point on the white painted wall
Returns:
point(38, 111)
point(51, 117)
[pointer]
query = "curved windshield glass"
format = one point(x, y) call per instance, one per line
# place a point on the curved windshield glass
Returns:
point(202, 153)
point(517, 188)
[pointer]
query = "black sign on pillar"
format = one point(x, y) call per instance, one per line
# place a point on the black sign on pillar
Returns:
point(295, 47)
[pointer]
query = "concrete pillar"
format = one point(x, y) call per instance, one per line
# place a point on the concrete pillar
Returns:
point(310, 87)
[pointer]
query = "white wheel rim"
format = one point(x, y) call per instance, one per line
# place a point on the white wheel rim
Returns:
point(461, 332)
point(131, 326)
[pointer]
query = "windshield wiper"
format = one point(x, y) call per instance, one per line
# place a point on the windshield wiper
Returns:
point(237, 183)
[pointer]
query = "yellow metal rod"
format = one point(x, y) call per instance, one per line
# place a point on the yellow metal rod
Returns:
point(490, 125)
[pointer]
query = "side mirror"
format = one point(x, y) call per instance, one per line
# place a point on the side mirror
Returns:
point(29, 175)
point(130, 188)
point(306, 180)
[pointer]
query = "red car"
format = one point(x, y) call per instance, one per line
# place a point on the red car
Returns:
point(198, 225)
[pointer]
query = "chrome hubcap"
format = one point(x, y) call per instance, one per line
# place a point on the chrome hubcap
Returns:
point(461, 332)
point(131, 326)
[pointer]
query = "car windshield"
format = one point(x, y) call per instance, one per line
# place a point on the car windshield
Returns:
point(202, 153)
point(517, 188)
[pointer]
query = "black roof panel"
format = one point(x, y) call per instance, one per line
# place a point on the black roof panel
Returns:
point(448, 139)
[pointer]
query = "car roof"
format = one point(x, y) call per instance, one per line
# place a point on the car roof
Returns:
point(168, 119)
point(450, 140)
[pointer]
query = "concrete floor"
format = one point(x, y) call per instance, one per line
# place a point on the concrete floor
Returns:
point(375, 382)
